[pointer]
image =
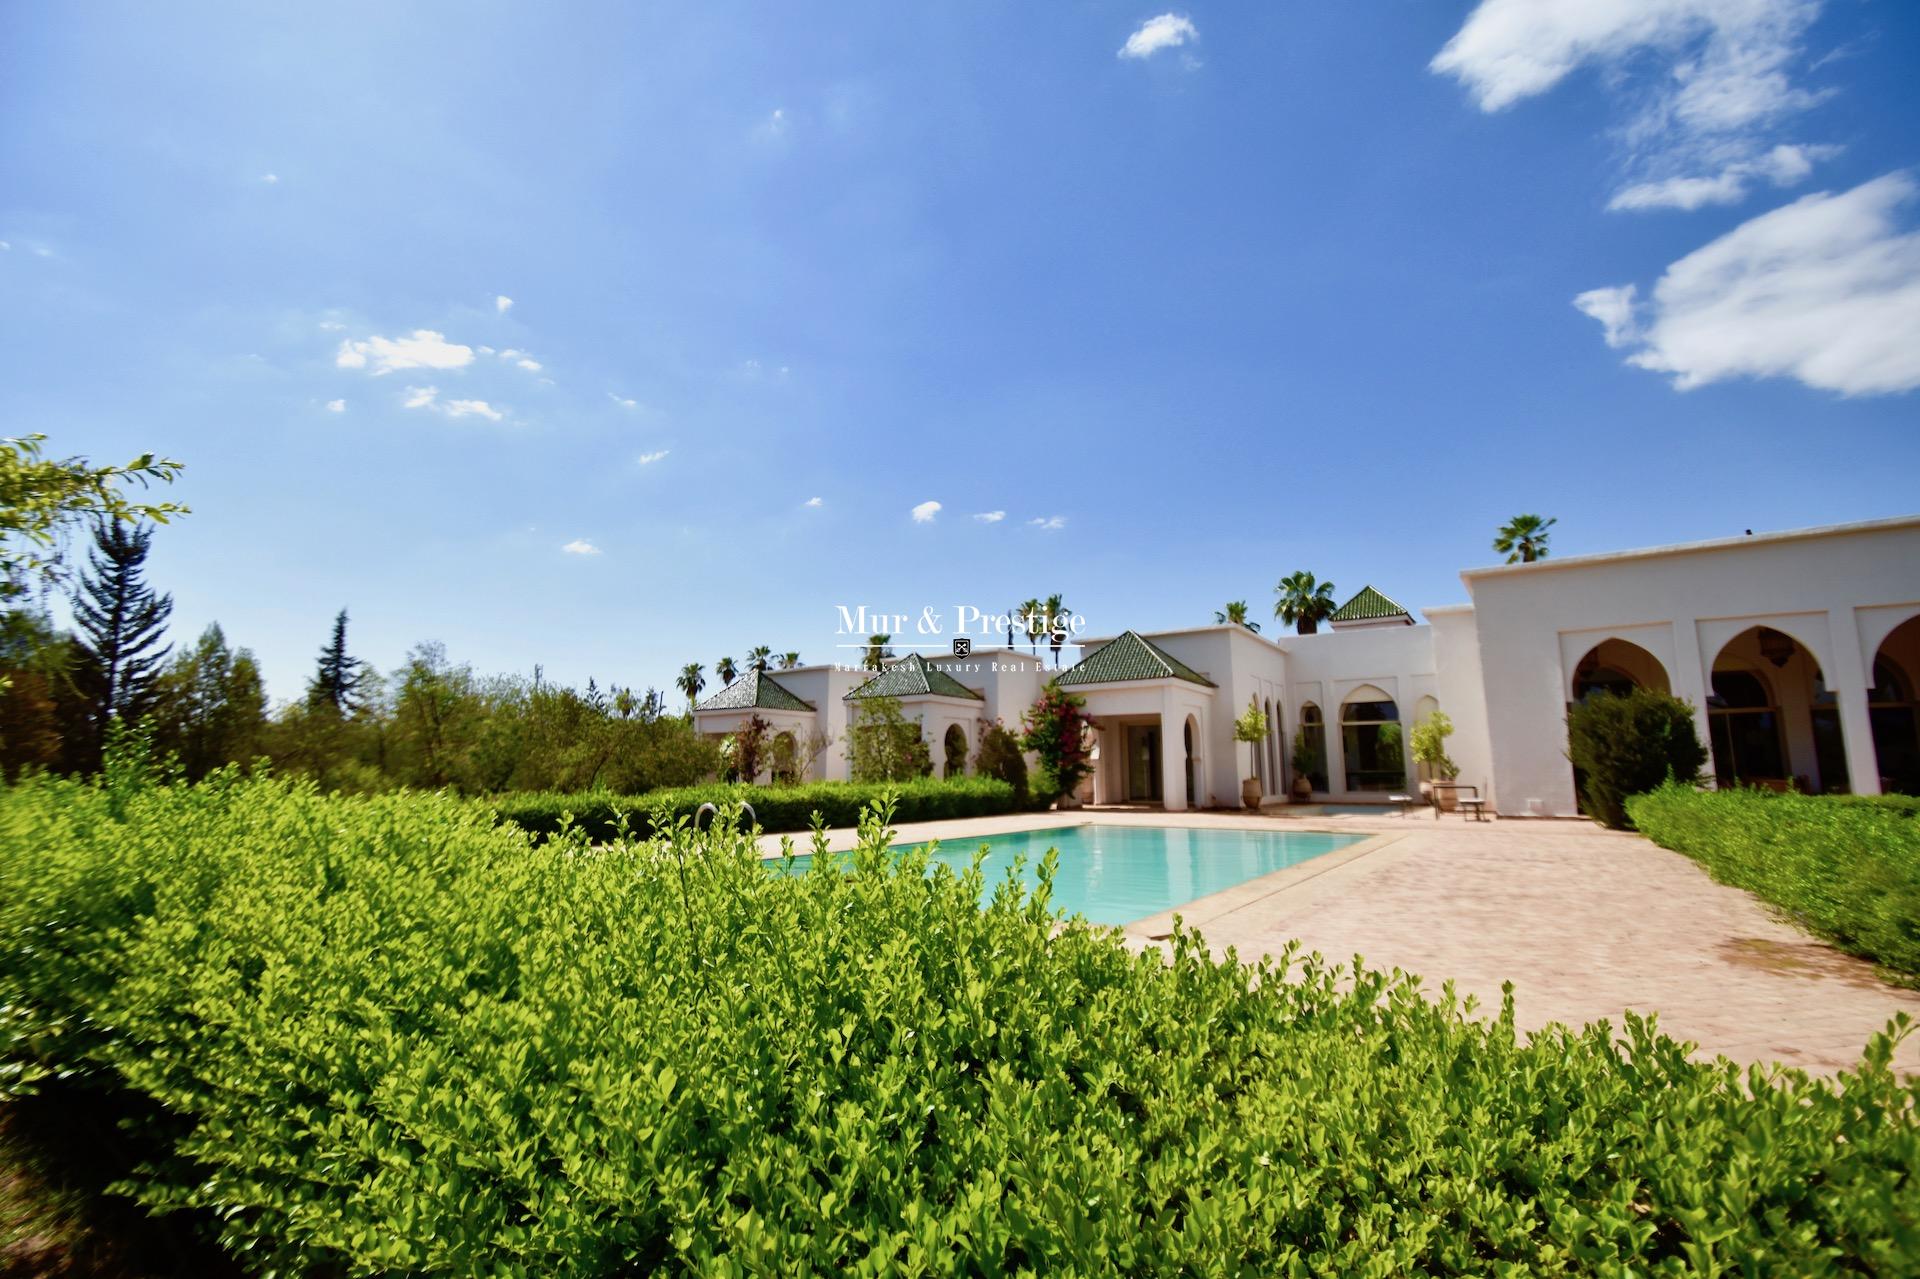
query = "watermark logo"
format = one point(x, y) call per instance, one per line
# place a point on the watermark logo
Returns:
point(962, 646)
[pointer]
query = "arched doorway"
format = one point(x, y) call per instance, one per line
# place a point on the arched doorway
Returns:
point(1187, 735)
point(1617, 666)
point(1894, 711)
point(1771, 720)
point(1614, 666)
point(786, 756)
point(1371, 741)
point(1276, 749)
point(955, 746)
point(1313, 743)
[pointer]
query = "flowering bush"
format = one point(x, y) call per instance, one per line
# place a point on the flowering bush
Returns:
point(1058, 730)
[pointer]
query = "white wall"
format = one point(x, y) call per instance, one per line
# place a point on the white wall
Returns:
point(1835, 591)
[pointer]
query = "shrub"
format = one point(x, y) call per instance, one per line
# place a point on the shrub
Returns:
point(1058, 730)
point(778, 808)
point(883, 745)
point(1429, 740)
point(385, 1036)
point(1847, 868)
point(1628, 744)
point(1000, 756)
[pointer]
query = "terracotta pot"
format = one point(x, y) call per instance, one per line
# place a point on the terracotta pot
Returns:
point(1250, 792)
point(1302, 789)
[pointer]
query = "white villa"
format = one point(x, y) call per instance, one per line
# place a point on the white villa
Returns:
point(1799, 650)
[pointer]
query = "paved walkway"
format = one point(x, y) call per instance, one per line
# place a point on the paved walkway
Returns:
point(1586, 923)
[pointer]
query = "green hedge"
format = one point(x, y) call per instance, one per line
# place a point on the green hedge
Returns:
point(1846, 868)
point(779, 808)
point(389, 1036)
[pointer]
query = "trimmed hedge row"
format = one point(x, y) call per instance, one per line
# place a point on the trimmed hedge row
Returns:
point(1847, 868)
point(388, 1036)
point(778, 808)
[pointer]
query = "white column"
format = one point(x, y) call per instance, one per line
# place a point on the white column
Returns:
point(1173, 759)
point(1848, 680)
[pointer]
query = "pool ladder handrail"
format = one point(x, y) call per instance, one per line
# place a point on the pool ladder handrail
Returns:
point(712, 813)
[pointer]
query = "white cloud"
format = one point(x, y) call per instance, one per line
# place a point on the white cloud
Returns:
point(1783, 166)
point(924, 513)
point(1613, 307)
point(1168, 31)
point(428, 397)
point(623, 401)
point(336, 406)
point(480, 408)
point(269, 178)
point(1051, 523)
point(1702, 80)
point(580, 546)
point(530, 365)
point(1825, 290)
point(331, 326)
point(815, 501)
point(503, 304)
point(648, 459)
point(991, 517)
point(422, 349)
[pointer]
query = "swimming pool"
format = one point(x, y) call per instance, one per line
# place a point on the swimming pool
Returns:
point(1117, 874)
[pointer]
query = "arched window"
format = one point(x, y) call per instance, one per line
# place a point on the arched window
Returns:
point(786, 753)
point(1895, 717)
point(1744, 722)
point(1372, 742)
point(1310, 747)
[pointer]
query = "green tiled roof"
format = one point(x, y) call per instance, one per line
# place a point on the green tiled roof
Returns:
point(1368, 606)
point(912, 677)
point(754, 691)
point(1130, 657)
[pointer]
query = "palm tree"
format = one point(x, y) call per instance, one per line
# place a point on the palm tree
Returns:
point(692, 680)
point(726, 670)
point(1303, 601)
point(1523, 539)
point(758, 656)
point(877, 651)
point(1056, 625)
point(1235, 613)
point(1028, 612)
point(789, 660)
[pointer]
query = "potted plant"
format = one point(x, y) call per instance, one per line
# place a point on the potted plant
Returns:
point(1430, 748)
point(1307, 764)
point(1251, 728)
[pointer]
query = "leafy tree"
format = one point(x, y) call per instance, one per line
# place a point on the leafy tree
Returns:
point(1303, 603)
point(692, 680)
point(726, 671)
point(1235, 613)
point(1430, 745)
point(877, 652)
point(41, 498)
point(1523, 539)
point(749, 746)
point(759, 657)
point(36, 693)
point(121, 623)
point(883, 745)
point(1056, 624)
point(212, 706)
point(1058, 732)
point(1628, 744)
point(338, 678)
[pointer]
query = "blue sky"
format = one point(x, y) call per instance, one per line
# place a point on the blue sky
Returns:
point(1194, 298)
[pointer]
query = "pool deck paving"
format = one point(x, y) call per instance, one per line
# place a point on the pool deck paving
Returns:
point(1586, 923)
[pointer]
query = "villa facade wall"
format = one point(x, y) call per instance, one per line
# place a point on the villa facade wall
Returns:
point(1503, 667)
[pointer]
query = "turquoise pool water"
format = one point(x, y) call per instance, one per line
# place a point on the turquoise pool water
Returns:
point(1117, 874)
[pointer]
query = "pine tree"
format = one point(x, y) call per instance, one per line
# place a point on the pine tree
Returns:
point(337, 679)
point(120, 621)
